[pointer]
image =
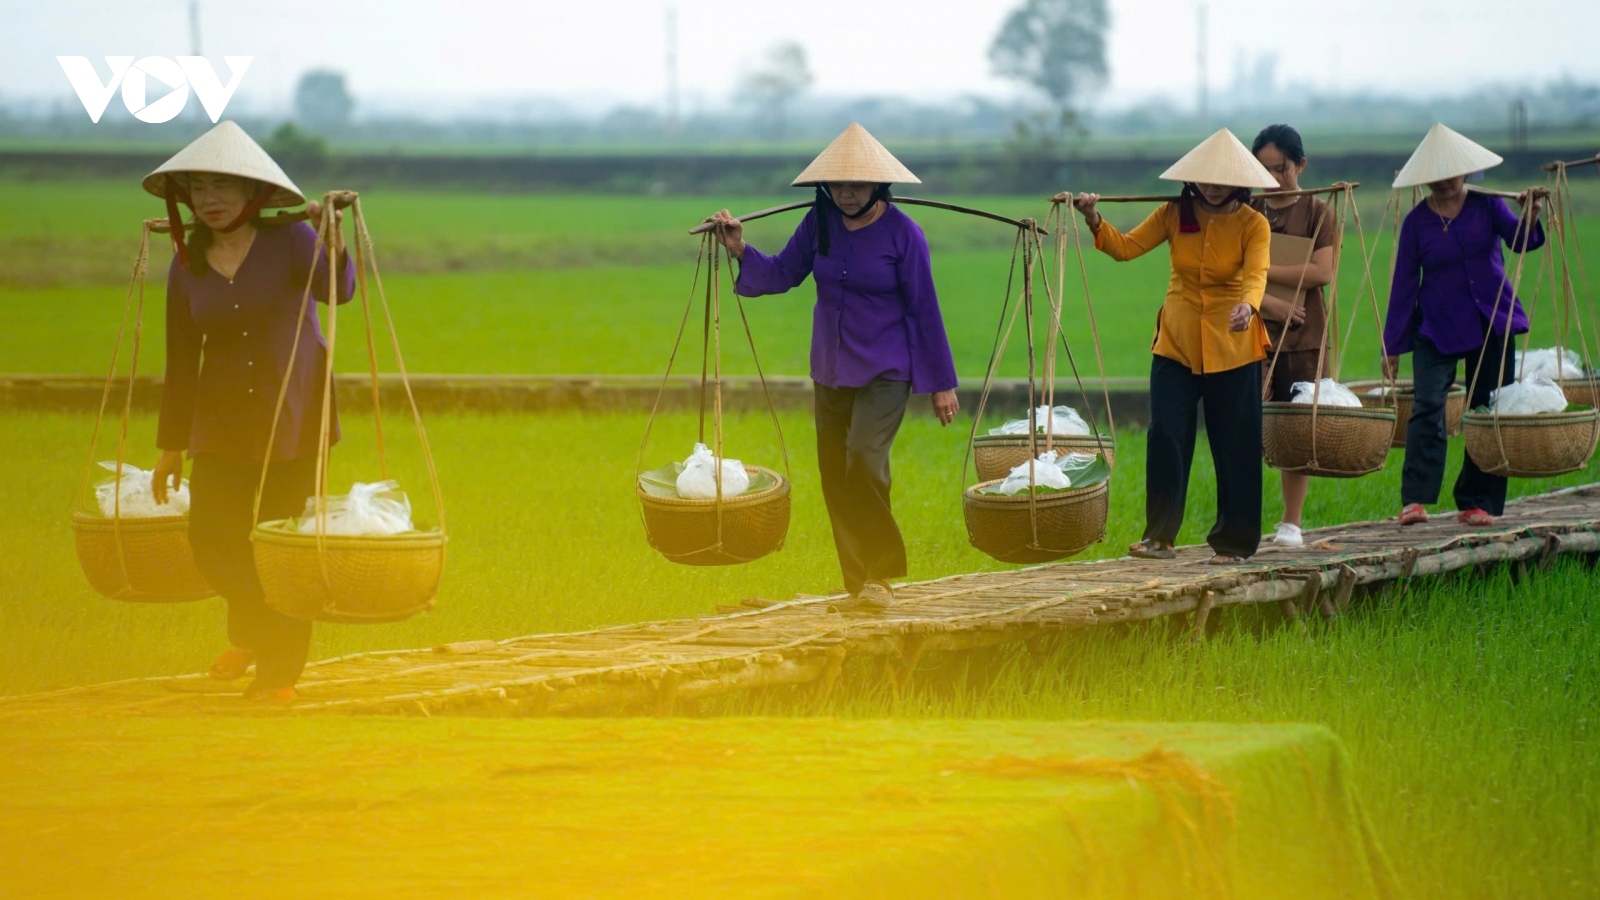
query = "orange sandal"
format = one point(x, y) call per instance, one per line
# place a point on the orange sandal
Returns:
point(232, 665)
point(1413, 515)
point(1474, 517)
point(272, 696)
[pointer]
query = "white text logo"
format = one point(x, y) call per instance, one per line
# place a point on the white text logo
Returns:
point(134, 78)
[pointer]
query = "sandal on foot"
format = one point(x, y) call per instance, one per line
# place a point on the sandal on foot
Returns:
point(1476, 518)
point(1413, 514)
point(269, 696)
point(874, 596)
point(232, 664)
point(1226, 559)
point(1150, 550)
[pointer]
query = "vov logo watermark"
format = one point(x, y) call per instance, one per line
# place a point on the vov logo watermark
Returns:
point(134, 78)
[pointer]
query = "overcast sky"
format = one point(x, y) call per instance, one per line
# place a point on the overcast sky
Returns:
point(613, 50)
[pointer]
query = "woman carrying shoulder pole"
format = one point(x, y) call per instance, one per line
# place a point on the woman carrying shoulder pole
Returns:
point(1209, 342)
point(1449, 280)
point(1299, 329)
point(877, 336)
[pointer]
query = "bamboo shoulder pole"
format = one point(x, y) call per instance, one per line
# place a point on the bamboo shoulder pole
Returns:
point(341, 199)
point(1334, 188)
point(705, 225)
point(1593, 160)
point(1509, 195)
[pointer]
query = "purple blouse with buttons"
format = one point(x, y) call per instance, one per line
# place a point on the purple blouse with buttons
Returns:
point(228, 347)
point(1450, 277)
point(877, 314)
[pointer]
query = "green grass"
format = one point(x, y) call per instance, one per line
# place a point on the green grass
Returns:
point(520, 283)
point(1470, 708)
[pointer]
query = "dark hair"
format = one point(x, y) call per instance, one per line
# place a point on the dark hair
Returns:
point(1285, 138)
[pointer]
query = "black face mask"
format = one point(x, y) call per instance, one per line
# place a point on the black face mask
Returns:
point(825, 203)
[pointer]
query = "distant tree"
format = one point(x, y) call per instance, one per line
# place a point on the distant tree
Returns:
point(769, 89)
point(322, 100)
point(1057, 47)
point(292, 147)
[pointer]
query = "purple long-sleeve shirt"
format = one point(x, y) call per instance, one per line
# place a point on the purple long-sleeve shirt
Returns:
point(1447, 280)
point(877, 313)
point(228, 346)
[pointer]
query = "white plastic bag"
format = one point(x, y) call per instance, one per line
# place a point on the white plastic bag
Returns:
point(1528, 398)
point(1066, 421)
point(1546, 364)
point(1329, 393)
point(699, 478)
point(138, 497)
point(369, 509)
point(1046, 473)
point(1382, 390)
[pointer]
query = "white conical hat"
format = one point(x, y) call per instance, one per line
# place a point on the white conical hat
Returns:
point(1221, 159)
point(1443, 154)
point(856, 155)
point(226, 149)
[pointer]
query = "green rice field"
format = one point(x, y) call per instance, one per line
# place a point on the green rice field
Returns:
point(1469, 705)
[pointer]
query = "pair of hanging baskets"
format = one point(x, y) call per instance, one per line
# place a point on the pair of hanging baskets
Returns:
point(717, 531)
point(139, 560)
point(351, 579)
point(1028, 527)
point(1403, 398)
point(1539, 446)
point(995, 455)
point(1327, 441)
point(144, 559)
point(705, 533)
point(1036, 528)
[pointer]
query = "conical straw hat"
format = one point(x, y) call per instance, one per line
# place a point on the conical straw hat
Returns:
point(856, 155)
point(1221, 159)
point(226, 149)
point(1444, 154)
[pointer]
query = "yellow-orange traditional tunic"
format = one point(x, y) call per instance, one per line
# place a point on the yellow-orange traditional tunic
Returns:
point(1213, 270)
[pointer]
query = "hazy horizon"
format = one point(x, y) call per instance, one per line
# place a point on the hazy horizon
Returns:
point(437, 58)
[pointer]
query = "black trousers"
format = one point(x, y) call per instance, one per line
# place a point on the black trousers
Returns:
point(855, 429)
point(1426, 443)
point(1233, 426)
point(221, 494)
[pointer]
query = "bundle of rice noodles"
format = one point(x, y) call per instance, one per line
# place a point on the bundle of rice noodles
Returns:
point(1052, 472)
point(1547, 363)
point(137, 496)
point(1532, 397)
point(1061, 420)
point(1326, 392)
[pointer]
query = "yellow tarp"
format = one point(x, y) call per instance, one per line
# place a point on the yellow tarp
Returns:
point(310, 808)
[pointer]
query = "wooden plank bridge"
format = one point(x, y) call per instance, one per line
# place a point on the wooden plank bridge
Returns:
point(653, 667)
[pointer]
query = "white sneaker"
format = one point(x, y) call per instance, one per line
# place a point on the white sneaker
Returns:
point(1288, 536)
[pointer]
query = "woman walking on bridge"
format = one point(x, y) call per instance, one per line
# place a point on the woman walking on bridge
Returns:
point(1449, 279)
point(1209, 342)
point(234, 293)
point(1300, 328)
point(877, 336)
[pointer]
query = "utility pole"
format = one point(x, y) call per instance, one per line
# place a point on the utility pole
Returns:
point(672, 68)
point(196, 111)
point(1200, 64)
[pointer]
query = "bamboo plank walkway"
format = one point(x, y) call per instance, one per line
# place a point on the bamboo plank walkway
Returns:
point(650, 667)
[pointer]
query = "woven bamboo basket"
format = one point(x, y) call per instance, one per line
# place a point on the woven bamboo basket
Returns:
point(1537, 446)
point(160, 564)
point(359, 580)
point(1454, 405)
point(685, 531)
point(995, 455)
point(1069, 522)
point(1350, 442)
point(1582, 391)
